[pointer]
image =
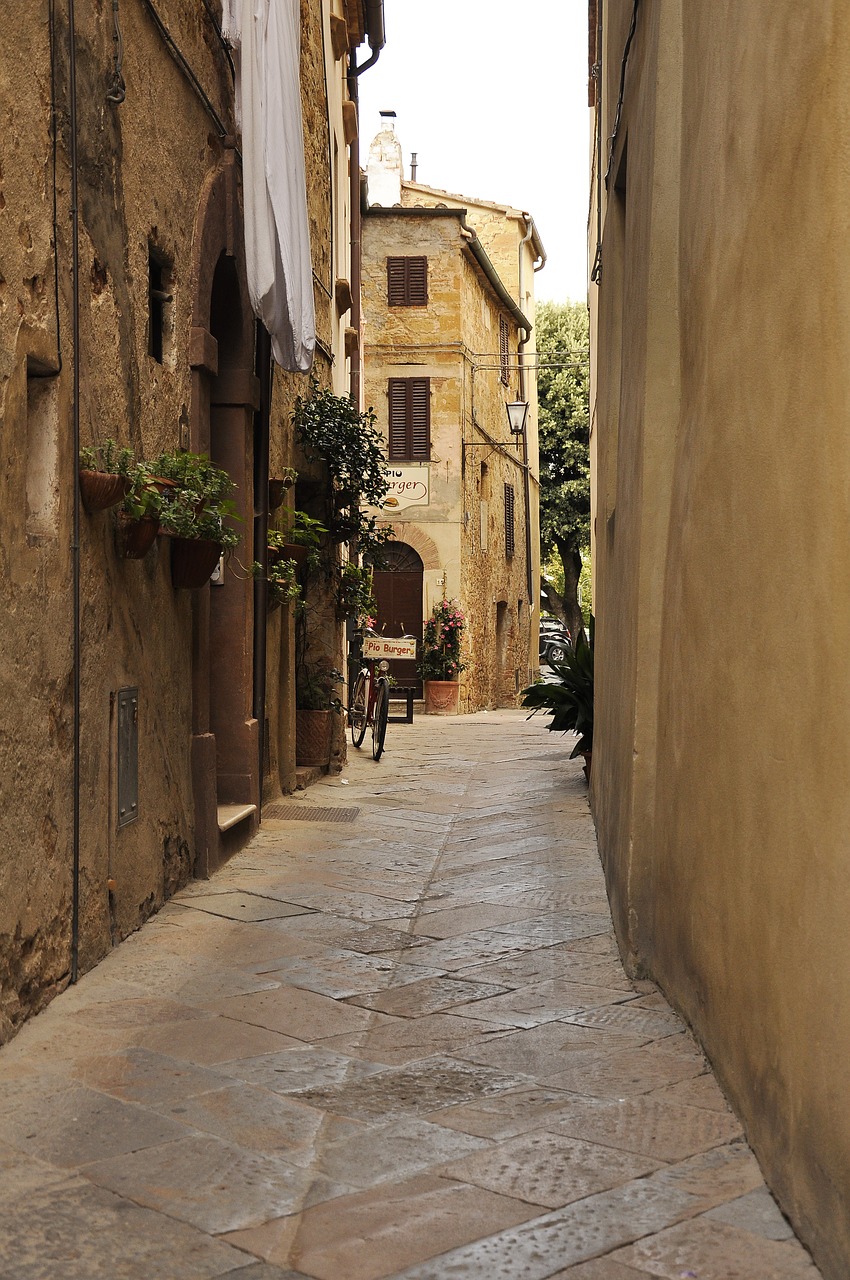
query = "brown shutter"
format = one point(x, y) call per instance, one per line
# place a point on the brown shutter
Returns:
point(407, 282)
point(396, 276)
point(420, 418)
point(509, 520)
point(504, 349)
point(409, 419)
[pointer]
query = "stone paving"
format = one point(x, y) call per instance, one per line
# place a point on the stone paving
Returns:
point(401, 1045)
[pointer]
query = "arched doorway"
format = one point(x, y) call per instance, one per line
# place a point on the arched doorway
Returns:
point(398, 594)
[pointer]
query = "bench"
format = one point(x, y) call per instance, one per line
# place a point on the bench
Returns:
point(401, 693)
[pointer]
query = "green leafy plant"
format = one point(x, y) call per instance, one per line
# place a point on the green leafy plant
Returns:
point(144, 498)
point(282, 577)
point(302, 531)
point(315, 683)
point(568, 699)
point(441, 642)
point(199, 503)
point(354, 591)
point(332, 430)
point(109, 457)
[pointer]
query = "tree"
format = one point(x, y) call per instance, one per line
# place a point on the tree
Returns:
point(562, 389)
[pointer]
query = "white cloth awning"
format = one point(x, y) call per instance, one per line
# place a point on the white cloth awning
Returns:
point(266, 37)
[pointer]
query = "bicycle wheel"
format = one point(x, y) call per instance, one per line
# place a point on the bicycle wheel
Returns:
point(380, 712)
point(357, 709)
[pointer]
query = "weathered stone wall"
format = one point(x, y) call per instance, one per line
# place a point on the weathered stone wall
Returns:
point(148, 169)
point(720, 402)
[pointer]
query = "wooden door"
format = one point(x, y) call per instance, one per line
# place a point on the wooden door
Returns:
point(398, 595)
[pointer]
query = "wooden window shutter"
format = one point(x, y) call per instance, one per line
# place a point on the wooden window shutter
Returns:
point(509, 520)
point(409, 419)
point(504, 350)
point(407, 282)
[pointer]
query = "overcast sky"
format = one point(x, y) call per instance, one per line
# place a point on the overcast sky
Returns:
point(493, 98)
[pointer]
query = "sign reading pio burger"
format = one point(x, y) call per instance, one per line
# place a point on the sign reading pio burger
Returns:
point(409, 486)
point(389, 647)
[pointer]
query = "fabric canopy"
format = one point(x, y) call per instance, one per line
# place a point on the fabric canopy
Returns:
point(266, 38)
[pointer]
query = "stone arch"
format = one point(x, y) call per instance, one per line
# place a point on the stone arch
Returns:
point(415, 536)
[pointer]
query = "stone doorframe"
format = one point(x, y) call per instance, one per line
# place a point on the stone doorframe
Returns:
point(222, 378)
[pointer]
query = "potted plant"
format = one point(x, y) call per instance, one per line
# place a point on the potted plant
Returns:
point(282, 577)
point(354, 596)
point(316, 703)
point(440, 662)
point(104, 474)
point(278, 486)
point(140, 513)
point(568, 699)
point(303, 536)
point(194, 514)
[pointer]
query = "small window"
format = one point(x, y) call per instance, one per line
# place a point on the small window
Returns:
point(407, 282)
point(159, 297)
point(410, 419)
point(504, 350)
point(510, 546)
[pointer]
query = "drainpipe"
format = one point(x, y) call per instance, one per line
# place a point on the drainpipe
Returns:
point(377, 40)
point(75, 445)
point(261, 525)
point(526, 479)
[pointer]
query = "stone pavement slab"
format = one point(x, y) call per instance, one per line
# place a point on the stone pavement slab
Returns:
point(400, 1046)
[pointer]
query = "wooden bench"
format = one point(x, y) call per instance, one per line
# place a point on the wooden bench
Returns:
point(401, 693)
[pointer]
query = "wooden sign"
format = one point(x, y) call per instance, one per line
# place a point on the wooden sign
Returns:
point(389, 647)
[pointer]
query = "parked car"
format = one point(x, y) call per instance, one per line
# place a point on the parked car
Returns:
point(555, 640)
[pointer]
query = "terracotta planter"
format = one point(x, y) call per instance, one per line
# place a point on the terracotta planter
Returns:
point(192, 561)
point(100, 490)
point(441, 697)
point(293, 551)
point(588, 756)
point(313, 731)
point(277, 488)
point(136, 537)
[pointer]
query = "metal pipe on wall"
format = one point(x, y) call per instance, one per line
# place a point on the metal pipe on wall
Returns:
point(75, 446)
point(261, 525)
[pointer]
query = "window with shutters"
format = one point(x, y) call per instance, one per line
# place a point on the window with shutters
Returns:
point(504, 350)
point(410, 419)
point(407, 282)
point(509, 520)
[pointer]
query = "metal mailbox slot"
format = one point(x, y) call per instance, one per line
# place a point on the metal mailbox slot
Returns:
point(128, 756)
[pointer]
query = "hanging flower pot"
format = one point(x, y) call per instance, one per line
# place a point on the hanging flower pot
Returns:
point(193, 561)
point(136, 537)
point(101, 489)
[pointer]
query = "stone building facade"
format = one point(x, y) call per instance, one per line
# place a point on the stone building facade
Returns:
point(720, 320)
point(103, 664)
point(449, 310)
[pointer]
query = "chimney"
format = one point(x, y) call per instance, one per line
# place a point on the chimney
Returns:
point(413, 166)
point(385, 166)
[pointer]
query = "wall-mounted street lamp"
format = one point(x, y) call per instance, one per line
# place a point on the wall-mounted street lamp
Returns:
point(517, 411)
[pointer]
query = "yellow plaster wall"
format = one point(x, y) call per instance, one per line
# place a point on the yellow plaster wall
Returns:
point(721, 510)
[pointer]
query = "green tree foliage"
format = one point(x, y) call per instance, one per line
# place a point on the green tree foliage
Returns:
point(562, 387)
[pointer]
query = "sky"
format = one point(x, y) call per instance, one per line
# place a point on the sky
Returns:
point(492, 96)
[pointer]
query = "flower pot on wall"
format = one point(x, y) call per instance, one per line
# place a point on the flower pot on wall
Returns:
point(313, 732)
point(101, 489)
point(441, 697)
point(192, 561)
point(136, 537)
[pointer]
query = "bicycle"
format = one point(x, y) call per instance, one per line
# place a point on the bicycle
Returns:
point(369, 700)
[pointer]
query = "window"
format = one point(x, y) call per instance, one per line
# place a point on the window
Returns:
point(410, 419)
point(407, 282)
point(504, 350)
point(159, 278)
point(509, 520)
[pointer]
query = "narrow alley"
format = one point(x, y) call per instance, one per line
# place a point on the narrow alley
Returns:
point(392, 1037)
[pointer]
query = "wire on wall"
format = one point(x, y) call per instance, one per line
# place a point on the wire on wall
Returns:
point(117, 88)
point(612, 142)
point(54, 142)
point(178, 57)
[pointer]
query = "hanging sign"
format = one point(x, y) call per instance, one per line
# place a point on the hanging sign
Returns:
point(410, 486)
point(389, 647)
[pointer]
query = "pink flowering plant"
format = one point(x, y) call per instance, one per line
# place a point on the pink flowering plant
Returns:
point(441, 643)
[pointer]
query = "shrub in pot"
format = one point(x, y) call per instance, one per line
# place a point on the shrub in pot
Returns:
point(440, 661)
point(104, 474)
point(568, 698)
point(195, 514)
point(316, 702)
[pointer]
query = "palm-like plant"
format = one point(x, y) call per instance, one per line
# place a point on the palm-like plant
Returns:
point(569, 698)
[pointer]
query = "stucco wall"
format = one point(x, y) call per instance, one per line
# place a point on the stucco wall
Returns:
point(722, 479)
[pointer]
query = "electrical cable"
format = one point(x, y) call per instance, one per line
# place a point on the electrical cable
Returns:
point(181, 62)
point(217, 28)
point(117, 88)
point(54, 141)
point(618, 112)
